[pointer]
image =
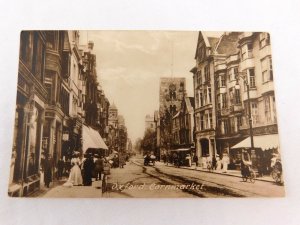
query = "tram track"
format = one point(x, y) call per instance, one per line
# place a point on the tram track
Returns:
point(208, 188)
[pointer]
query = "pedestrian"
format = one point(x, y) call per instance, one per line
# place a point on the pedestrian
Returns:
point(88, 168)
point(225, 162)
point(75, 177)
point(99, 164)
point(219, 163)
point(196, 160)
point(47, 169)
point(214, 163)
point(60, 167)
point(31, 166)
point(116, 161)
point(121, 161)
point(164, 158)
point(260, 166)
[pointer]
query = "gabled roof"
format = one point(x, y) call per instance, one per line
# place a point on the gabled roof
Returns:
point(210, 41)
point(228, 43)
point(213, 41)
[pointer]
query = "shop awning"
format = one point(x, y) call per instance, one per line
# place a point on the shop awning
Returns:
point(265, 142)
point(91, 139)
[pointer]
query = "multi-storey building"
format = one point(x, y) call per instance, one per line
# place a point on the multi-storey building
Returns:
point(183, 125)
point(255, 66)
point(103, 113)
point(55, 79)
point(91, 85)
point(76, 81)
point(122, 134)
point(29, 115)
point(204, 93)
point(233, 58)
point(57, 82)
point(157, 132)
point(113, 127)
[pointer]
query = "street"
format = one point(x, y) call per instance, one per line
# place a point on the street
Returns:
point(162, 181)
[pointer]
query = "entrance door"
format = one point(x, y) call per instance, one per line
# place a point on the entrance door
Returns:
point(204, 147)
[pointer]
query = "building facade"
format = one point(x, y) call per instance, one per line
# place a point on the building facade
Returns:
point(204, 92)
point(57, 82)
point(103, 113)
point(91, 85)
point(222, 106)
point(183, 125)
point(57, 93)
point(29, 115)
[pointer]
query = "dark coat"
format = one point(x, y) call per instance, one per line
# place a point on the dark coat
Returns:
point(47, 168)
point(99, 164)
point(88, 168)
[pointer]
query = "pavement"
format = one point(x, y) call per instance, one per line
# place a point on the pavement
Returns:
point(234, 173)
point(219, 184)
point(57, 190)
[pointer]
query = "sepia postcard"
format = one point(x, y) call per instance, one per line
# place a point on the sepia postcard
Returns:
point(145, 114)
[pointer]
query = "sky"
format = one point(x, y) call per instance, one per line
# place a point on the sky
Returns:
point(130, 64)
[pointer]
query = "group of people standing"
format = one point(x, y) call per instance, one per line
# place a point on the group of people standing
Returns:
point(83, 171)
point(79, 171)
point(213, 163)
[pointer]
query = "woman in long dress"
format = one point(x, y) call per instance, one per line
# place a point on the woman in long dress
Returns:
point(75, 177)
point(218, 164)
point(225, 162)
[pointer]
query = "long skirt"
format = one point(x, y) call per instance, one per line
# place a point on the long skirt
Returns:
point(75, 177)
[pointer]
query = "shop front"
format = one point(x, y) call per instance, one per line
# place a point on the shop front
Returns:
point(264, 147)
point(26, 155)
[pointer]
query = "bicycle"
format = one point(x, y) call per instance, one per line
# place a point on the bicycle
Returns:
point(249, 174)
point(276, 175)
point(104, 183)
point(106, 172)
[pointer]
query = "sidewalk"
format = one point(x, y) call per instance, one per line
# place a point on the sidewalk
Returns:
point(59, 191)
point(234, 173)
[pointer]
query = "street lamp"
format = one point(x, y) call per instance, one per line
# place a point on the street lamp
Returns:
point(244, 76)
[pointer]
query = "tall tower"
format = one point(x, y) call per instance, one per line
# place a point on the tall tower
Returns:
point(113, 116)
point(171, 93)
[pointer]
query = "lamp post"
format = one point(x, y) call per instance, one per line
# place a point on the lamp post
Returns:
point(244, 76)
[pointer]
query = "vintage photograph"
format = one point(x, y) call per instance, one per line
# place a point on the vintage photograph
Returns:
point(145, 114)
